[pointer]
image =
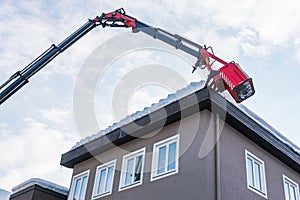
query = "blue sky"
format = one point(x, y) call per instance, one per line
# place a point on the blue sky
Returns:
point(37, 124)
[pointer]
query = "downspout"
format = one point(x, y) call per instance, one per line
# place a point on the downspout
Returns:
point(217, 157)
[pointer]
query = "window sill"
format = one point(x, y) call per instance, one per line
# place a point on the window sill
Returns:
point(163, 175)
point(130, 186)
point(258, 192)
point(101, 195)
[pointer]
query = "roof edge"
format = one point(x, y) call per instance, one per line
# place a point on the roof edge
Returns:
point(205, 99)
point(42, 183)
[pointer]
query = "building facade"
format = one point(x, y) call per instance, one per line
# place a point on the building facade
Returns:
point(199, 146)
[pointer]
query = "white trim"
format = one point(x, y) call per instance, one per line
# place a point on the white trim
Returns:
point(97, 179)
point(134, 154)
point(293, 183)
point(165, 142)
point(75, 177)
point(262, 193)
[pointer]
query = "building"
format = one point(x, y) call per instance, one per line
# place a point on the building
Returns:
point(38, 189)
point(193, 145)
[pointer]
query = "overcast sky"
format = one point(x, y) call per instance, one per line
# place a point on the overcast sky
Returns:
point(37, 124)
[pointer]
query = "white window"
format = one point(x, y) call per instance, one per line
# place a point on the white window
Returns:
point(132, 169)
point(256, 177)
point(104, 179)
point(291, 189)
point(165, 158)
point(79, 184)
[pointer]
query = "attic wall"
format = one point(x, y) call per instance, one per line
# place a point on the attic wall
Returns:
point(233, 168)
point(195, 179)
point(26, 194)
point(44, 194)
point(36, 192)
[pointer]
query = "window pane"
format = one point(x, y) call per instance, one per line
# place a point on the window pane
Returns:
point(129, 170)
point(257, 175)
point(250, 176)
point(83, 188)
point(286, 191)
point(77, 189)
point(172, 156)
point(161, 160)
point(293, 192)
point(109, 179)
point(102, 181)
point(138, 168)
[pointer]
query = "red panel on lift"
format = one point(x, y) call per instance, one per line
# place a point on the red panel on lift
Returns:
point(238, 84)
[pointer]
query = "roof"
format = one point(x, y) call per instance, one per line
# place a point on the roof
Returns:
point(183, 103)
point(192, 88)
point(42, 183)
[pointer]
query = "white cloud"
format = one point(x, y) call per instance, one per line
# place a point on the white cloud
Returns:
point(297, 49)
point(273, 20)
point(33, 147)
point(4, 130)
point(33, 152)
point(145, 96)
point(248, 40)
point(297, 56)
point(56, 115)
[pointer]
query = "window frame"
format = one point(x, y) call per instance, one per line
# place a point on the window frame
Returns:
point(99, 168)
point(263, 179)
point(74, 179)
point(290, 182)
point(155, 157)
point(135, 154)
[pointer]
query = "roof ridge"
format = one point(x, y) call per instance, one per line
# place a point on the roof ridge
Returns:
point(43, 183)
point(191, 88)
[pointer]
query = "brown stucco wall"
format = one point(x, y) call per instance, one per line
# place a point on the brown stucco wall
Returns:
point(195, 179)
point(36, 192)
point(26, 195)
point(233, 168)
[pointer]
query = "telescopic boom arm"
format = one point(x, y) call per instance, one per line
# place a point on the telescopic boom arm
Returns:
point(20, 78)
point(230, 77)
point(118, 18)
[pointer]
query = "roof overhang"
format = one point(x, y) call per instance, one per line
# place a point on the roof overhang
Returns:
point(203, 99)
